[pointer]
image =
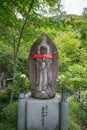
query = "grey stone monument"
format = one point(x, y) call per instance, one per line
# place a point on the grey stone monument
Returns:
point(42, 109)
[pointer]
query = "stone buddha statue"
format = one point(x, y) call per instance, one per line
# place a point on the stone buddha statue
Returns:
point(43, 66)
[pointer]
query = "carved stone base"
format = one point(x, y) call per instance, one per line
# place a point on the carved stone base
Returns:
point(42, 114)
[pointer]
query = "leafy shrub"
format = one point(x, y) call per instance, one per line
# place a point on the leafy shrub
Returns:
point(6, 126)
point(77, 111)
point(73, 125)
point(6, 94)
point(4, 100)
point(62, 85)
point(22, 83)
point(10, 113)
point(4, 97)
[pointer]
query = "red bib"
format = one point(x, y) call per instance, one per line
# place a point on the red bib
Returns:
point(40, 56)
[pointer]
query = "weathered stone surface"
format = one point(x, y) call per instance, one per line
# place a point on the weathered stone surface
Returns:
point(21, 112)
point(64, 111)
point(42, 114)
point(43, 67)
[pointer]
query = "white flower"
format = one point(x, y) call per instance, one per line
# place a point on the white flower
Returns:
point(62, 76)
point(23, 76)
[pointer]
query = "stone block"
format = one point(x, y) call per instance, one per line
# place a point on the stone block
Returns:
point(42, 114)
point(21, 112)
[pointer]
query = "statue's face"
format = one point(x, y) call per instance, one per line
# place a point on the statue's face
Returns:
point(43, 50)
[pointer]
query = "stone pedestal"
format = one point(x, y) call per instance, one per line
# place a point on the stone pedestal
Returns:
point(21, 112)
point(64, 116)
point(42, 114)
point(64, 111)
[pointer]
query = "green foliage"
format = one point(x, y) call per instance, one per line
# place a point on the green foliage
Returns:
point(8, 92)
point(76, 111)
point(5, 96)
point(84, 93)
point(22, 83)
point(77, 77)
point(6, 60)
point(73, 58)
point(73, 125)
point(6, 126)
point(22, 61)
point(62, 84)
point(10, 113)
point(4, 101)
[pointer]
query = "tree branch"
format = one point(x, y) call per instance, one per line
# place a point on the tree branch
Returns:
point(23, 27)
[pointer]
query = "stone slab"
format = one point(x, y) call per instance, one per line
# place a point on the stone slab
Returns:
point(21, 112)
point(64, 115)
point(42, 114)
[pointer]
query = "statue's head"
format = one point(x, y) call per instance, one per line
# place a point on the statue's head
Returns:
point(44, 48)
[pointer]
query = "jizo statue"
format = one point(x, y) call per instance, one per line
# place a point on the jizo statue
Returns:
point(43, 68)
